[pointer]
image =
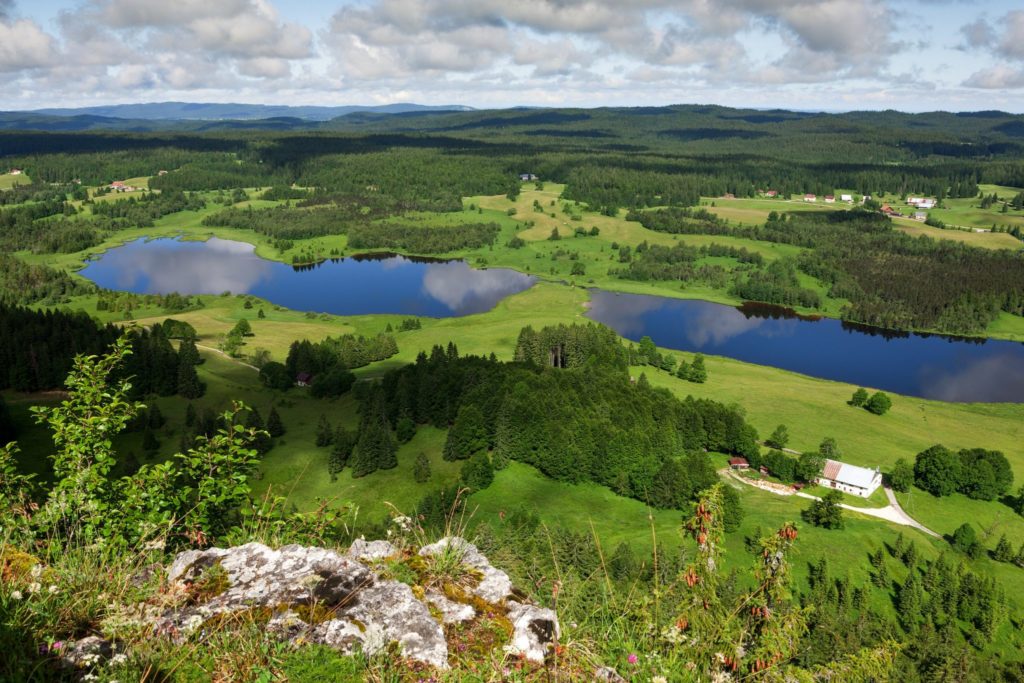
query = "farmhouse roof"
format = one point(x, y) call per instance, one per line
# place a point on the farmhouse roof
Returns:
point(739, 462)
point(852, 475)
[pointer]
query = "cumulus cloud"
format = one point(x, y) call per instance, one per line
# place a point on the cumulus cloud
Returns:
point(24, 45)
point(1005, 41)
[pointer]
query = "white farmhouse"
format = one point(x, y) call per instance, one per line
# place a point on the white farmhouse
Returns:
point(860, 481)
point(846, 197)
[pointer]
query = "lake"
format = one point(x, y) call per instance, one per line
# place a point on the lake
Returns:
point(930, 366)
point(379, 283)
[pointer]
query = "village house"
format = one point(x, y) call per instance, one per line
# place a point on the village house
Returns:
point(889, 211)
point(303, 379)
point(738, 463)
point(120, 186)
point(848, 198)
point(527, 176)
point(830, 199)
point(771, 193)
point(15, 171)
point(920, 215)
point(810, 198)
point(921, 202)
point(860, 481)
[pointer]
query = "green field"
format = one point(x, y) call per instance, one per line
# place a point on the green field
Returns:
point(7, 181)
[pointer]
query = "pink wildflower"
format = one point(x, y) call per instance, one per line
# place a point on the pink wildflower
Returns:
point(632, 658)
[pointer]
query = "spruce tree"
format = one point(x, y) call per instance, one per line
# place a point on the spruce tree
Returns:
point(341, 450)
point(468, 435)
point(909, 603)
point(324, 432)
point(421, 469)
point(190, 415)
point(477, 473)
point(698, 373)
point(156, 418)
point(1003, 551)
point(274, 425)
point(188, 353)
point(189, 385)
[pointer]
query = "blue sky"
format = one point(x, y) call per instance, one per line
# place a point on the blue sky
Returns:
point(911, 55)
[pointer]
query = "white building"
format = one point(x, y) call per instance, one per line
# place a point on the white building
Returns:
point(846, 197)
point(860, 481)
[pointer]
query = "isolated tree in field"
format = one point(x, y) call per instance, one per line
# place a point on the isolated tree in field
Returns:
point(242, 328)
point(648, 351)
point(859, 398)
point(698, 373)
point(578, 269)
point(260, 314)
point(668, 363)
point(826, 512)
point(779, 438)
point(554, 235)
point(274, 425)
point(732, 509)
point(683, 371)
point(324, 432)
point(937, 471)
point(985, 474)
point(261, 438)
point(1003, 551)
point(829, 448)
point(902, 476)
point(879, 403)
point(421, 469)
point(965, 539)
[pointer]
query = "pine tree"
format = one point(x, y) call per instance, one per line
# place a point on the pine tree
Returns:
point(274, 425)
point(190, 415)
point(189, 385)
point(149, 442)
point(1003, 551)
point(421, 470)
point(899, 546)
point(468, 435)
point(909, 603)
point(188, 353)
point(683, 371)
point(324, 432)
point(341, 451)
point(261, 315)
point(698, 373)
point(261, 442)
point(156, 418)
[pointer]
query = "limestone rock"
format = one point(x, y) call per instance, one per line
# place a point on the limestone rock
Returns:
point(316, 595)
point(494, 586)
point(535, 631)
point(86, 652)
point(371, 551)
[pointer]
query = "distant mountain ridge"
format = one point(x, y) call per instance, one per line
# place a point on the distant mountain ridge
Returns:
point(199, 111)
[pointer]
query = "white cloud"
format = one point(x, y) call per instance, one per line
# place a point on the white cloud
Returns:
point(24, 45)
point(1005, 41)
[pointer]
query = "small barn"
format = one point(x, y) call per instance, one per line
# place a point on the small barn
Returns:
point(303, 379)
point(860, 481)
point(846, 197)
point(830, 199)
point(810, 198)
point(739, 464)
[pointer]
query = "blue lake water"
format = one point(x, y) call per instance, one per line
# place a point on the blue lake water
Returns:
point(930, 366)
point(350, 286)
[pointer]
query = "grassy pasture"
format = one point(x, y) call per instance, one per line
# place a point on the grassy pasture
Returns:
point(8, 181)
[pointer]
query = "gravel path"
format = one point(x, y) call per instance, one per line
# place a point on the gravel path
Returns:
point(891, 513)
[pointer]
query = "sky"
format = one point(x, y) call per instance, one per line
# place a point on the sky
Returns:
point(831, 55)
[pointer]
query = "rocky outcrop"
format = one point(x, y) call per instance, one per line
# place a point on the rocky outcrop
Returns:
point(348, 600)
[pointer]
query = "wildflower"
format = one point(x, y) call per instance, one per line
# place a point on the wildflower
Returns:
point(34, 587)
point(52, 589)
point(119, 658)
point(56, 645)
point(659, 679)
point(36, 571)
point(16, 595)
point(632, 658)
